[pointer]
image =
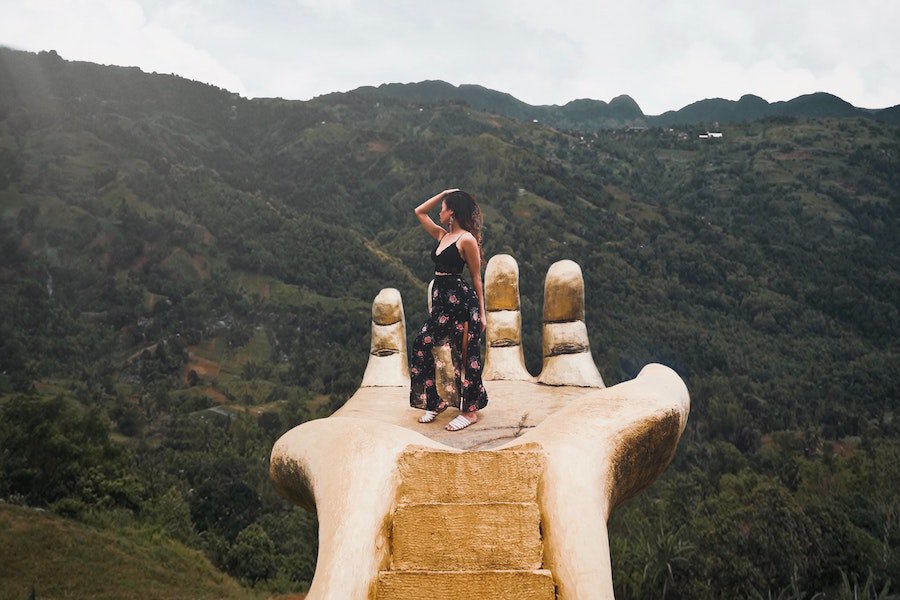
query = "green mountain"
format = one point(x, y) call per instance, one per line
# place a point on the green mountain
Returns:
point(187, 273)
point(749, 108)
point(623, 111)
point(584, 114)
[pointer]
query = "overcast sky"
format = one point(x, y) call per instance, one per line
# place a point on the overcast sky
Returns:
point(664, 54)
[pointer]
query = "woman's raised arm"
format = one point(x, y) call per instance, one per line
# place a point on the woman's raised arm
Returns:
point(422, 210)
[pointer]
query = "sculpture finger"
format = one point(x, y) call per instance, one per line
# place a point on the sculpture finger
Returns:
point(504, 357)
point(566, 349)
point(387, 366)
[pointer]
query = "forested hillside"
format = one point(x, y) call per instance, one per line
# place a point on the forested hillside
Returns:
point(186, 274)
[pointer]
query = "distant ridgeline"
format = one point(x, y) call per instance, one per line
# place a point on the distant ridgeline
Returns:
point(584, 114)
point(622, 111)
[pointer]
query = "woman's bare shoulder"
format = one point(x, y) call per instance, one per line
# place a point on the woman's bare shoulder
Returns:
point(466, 240)
point(467, 236)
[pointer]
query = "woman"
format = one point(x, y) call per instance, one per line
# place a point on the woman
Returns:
point(457, 312)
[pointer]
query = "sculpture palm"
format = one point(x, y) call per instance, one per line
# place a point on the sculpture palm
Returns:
point(598, 446)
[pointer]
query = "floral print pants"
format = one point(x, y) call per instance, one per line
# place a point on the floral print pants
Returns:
point(454, 306)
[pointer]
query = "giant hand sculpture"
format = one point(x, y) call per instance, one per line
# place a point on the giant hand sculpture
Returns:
point(409, 510)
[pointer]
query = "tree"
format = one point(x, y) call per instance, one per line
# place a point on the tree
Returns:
point(252, 557)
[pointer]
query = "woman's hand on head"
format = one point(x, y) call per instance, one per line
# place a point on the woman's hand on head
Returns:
point(450, 191)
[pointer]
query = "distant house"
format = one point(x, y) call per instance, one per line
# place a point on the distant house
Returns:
point(710, 134)
point(216, 412)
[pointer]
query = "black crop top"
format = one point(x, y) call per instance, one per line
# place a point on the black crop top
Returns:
point(449, 260)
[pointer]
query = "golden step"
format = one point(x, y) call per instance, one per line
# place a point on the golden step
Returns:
point(453, 585)
point(486, 476)
point(484, 535)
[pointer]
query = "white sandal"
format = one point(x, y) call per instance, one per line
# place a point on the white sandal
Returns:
point(460, 422)
point(431, 415)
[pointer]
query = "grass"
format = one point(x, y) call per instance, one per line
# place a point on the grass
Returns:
point(181, 265)
point(265, 287)
point(214, 362)
point(253, 284)
point(529, 205)
point(60, 558)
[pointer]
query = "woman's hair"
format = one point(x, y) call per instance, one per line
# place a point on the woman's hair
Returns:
point(467, 213)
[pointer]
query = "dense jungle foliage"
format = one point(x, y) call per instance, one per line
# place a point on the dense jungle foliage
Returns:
point(186, 274)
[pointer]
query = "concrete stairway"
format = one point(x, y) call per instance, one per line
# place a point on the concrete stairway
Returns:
point(467, 525)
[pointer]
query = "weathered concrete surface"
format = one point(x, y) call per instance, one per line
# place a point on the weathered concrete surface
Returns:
point(388, 364)
point(566, 348)
point(513, 408)
point(345, 471)
point(487, 535)
point(504, 356)
point(501, 283)
point(564, 292)
point(474, 585)
point(602, 448)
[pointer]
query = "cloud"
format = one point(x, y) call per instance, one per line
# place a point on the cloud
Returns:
point(664, 55)
point(111, 32)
